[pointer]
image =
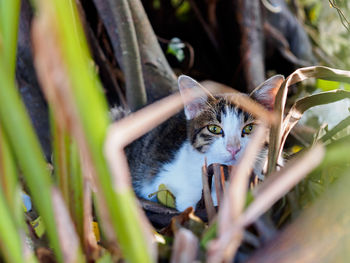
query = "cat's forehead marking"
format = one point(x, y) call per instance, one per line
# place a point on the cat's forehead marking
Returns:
point(225, 107)
point(220, 107)
point(231, 122)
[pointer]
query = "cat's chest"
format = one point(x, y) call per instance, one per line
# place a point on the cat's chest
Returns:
point(182, 176)
point(187, 162)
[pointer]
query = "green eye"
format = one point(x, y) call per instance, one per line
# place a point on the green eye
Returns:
point(214, 129)
point(248, 129)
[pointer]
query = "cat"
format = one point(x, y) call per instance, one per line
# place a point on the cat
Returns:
point(209, 127)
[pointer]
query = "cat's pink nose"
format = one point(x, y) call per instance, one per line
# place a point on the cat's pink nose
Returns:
point(233, 150)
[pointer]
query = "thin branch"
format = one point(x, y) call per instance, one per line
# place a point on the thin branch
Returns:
point(343, 19)
point(159, 79)
point(251, 43)
point(206, 27)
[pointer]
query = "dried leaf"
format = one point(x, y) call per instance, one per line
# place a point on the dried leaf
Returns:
point(273, 188)
point(219, 187)
point(45, 255)
point(301, 105)
point(280, 183)
point(280, 131)
point(209, 206)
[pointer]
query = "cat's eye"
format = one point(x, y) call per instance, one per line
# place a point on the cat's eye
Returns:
point(215, 129)
point(247, 129)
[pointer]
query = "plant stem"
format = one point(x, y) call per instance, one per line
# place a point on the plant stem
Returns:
point(86, 101)
point(8, 172)
point(25, 145)
point(10, 241)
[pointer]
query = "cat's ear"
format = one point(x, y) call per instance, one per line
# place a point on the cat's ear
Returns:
point(193, 96)
point(265, 94)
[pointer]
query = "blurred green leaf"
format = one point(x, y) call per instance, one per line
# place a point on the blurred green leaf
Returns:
point(175, 47)
point(9, 19)
point(11, 245)
point(182, 9)
point(338, 128)
point(38, 226)
point(314, 13)
point(17, 125)
point(209, 234)
point(156, 4)
point(326, 85)
point(88, 99)
point(106, 258)
point(165, 197)
point(28, 153)
point(8, 172)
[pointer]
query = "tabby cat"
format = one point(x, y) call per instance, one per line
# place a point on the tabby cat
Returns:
point(209, 127)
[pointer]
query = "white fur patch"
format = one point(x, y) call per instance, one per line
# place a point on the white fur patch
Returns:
point(183, 177)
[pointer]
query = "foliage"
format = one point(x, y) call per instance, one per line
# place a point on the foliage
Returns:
point(90, 169)
point(327, 30)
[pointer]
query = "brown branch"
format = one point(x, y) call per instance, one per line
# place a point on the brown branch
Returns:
point(208, 30)
point(105, 67)
point(135, 90)
point(252, 48)
point(159, 78)
point(276, 40)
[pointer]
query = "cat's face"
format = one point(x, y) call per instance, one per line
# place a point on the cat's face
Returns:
point(219, 129)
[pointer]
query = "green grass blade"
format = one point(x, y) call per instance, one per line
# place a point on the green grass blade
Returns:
point(60, 148)
point(10, 241)
point(76, 188)
point(26, 147)
point(9, 19)
point(93, 116)
point(16, 123)
point(8, 172)
point(68, 173)
point(339, 127)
